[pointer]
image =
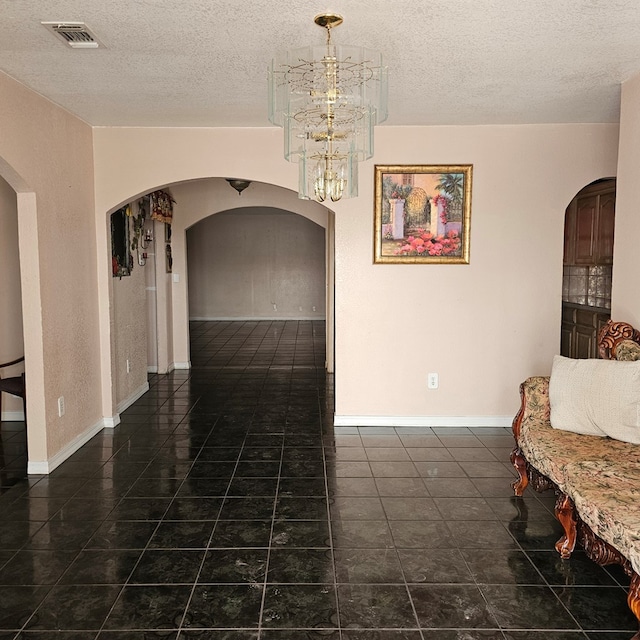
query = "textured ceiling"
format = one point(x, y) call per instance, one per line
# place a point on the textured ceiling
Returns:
point(203, 62)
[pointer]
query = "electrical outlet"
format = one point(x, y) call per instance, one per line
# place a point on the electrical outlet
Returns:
point(60, 406)
point(432, 380)
point(313, 308)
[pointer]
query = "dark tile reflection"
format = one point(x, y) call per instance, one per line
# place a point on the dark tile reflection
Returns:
point(226, 506)
point(526, 607)
point(300, 606)
point(598, 608)
point(375, 606)
point(447, 606)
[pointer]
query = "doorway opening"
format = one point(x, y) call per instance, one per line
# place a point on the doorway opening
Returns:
point(13, 431)
point(587, 268)
point(256, 263)
point(276, 265)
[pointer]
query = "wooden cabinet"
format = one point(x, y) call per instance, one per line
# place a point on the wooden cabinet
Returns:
point(579, 332)
point(588, 254)
point(606, 224)
point(586, 235)
point(589, 225)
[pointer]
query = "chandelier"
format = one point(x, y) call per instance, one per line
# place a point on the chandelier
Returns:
point(328, 99)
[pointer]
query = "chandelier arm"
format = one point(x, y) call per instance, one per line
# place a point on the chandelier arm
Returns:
point(328, 99)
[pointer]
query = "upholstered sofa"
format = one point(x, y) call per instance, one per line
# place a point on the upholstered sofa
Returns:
point(596, 478)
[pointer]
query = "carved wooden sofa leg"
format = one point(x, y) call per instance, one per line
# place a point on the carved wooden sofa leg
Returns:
point(520, 464)
point(565, 512)
point(633, 599)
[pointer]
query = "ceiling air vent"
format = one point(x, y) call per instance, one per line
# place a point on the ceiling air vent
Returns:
point(76, 34)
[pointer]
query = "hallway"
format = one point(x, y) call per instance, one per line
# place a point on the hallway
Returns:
point(226, 506)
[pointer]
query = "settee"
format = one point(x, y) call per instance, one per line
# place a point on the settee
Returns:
point(596, 478)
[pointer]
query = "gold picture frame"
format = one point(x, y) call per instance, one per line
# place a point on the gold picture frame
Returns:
point(422, 214)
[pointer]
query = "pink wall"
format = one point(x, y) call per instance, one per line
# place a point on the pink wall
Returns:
point(46, 155)
point(483, 327)
point(130, 334)
point(625, 302)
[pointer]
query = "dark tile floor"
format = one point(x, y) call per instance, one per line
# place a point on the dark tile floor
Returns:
point(226, 506)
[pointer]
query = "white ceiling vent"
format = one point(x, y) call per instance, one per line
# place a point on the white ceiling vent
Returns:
point(76, 34)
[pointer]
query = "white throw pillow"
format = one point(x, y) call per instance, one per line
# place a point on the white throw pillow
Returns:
point(596, 397)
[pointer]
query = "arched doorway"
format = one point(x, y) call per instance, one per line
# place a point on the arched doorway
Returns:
point(198, 199)
point(254, 263)
point(195, 200)
point(587, 267)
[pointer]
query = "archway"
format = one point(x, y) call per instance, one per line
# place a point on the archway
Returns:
point(256, 263)
point(195, 200)
point(587, 267)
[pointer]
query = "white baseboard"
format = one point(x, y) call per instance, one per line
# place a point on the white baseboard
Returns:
point(12, 416)
point(153, 369)
point(127, 402)
point(422, 421)
point(254, 319)
point(112, 422)
point(44, 467)
point(173, 366)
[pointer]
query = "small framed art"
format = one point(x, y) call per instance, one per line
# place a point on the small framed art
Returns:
point(422, 214)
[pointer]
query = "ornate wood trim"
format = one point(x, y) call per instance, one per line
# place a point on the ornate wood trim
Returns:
point(575, 529)
point(566, 514)
point(517, 421)
point(633, 599)
point(598, 550)
point(519, 462)
point(539, 482)
point(612, 333)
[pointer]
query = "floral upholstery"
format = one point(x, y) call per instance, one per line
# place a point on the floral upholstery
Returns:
point(551, 450)
point(627, 350)
point(600, 475)
point(606, 495)
point(536, 392)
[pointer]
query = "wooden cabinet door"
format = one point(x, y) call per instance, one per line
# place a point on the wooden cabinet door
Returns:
point(585, 229)
point(567, 340)
point(606, 223)
point(585, 342)
point(589, 225)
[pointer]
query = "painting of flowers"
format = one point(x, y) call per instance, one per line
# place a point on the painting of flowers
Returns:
point(422, 213)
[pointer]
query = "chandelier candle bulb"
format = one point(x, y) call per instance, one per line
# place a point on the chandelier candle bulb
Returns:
point(328, 99)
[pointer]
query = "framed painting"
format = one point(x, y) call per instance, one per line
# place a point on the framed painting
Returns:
point(422, 214)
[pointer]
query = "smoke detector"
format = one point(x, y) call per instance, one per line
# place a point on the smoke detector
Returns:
point(76, 34)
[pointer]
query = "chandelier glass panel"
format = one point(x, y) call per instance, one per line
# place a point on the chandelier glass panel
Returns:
point(328, 98)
